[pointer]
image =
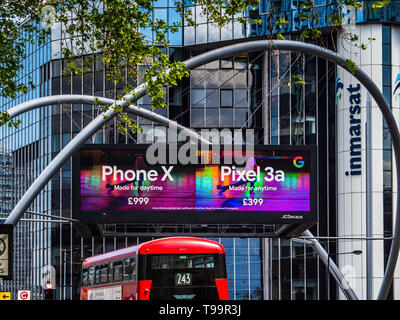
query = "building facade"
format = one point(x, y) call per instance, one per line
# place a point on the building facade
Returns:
point(247, 91)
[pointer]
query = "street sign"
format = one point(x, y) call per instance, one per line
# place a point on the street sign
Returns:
point(6, 251)
point(48, 276)
point(24, 295)
point(5, 295)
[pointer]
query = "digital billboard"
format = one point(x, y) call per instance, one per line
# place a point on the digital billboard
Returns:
point(115, 183)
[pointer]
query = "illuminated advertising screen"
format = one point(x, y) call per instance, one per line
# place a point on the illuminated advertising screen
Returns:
point(272, 185)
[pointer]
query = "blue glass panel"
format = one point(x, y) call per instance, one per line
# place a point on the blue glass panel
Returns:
point(147, 33)
point(160, 14)
point(189, 36)
point(201, 33)
point(386, 54)
point(386, 34)
point(213, 32)
point(160, 3)
point(227, 243)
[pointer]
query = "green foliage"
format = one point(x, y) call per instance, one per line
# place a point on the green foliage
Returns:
point(5, 119)
point(15, 32)
point(379, 4)
point(296, 79)
point(351, 66)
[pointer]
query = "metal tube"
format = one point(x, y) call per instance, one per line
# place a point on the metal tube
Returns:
point(334, 270)
point(58, 99)
point(368, 170)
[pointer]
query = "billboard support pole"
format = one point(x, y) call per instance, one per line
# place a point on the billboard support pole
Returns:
point(334, 270)
point(224, 52)
point(368, 169)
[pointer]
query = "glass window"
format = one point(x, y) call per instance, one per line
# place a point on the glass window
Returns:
point(386, 75)
point(227, 78)
point(127, 270)
point(197, 97)
point(189, 36)
point(212, 117)
point(160, 3)
point(198, 78)
point(212, 79)
point(226, 118)
point(201, 17)
point(104, 274)
point(191, 14)
point(201, 34)
point(91, 275)
point(213, 32)
point(241, 99)
point(182, 261)
point(240, 117)
point(226, 32)
point(98, 275)
point(175, 38)
point(240, 78)
point(226, 64)
point(197, 118)
point(118, 271)
point(226, 98)
point(56, 68)
point(110, 272)
point(212, 98)
point(386, 34)
point(133, 269)
point(85, 278)
point(160, 14)
point(239, 30)
point(386, 54)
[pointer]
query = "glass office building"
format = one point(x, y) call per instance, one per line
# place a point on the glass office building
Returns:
point(246, 91)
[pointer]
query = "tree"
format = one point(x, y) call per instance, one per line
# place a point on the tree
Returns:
point(114, 28)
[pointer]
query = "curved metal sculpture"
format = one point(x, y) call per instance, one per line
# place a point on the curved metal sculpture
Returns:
point(228, 51)
point(86, 99)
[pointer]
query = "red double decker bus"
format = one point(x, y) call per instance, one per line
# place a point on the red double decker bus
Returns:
point(164, 269)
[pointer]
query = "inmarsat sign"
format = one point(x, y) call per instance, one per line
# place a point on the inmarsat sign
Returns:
point(353, 110)
point(6, 249)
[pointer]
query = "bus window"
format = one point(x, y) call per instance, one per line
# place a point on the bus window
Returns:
point(209, 262)
point(104, 274)
point(98, 275)
point(182, 262)
point(110, 272)
point(198, 262)
point(118, 271)
point(126, 270)
point(85, 279)
point(91, 276)
point(133, 269)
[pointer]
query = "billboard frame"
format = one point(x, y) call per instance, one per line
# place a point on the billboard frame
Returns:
point(195, 217)
point(9, 230)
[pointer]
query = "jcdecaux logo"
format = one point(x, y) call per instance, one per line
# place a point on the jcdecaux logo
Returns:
point(298, 162)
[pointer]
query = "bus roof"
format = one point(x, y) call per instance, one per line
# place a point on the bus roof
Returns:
point(171, 245)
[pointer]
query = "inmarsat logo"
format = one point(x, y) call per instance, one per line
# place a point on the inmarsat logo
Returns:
point(355, 125)
point(396, 91)
point(339, 85)
point(355, 130)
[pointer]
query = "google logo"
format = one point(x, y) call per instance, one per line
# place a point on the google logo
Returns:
point(298, 162)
